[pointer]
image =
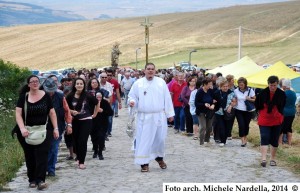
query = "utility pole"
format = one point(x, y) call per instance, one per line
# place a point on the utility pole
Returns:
point(147, 25)
point(240, 43)
point(136, 61)
point(190, 57)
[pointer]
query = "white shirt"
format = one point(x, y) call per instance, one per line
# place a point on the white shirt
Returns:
point(241, 97)
point(192, 102)
point(107, 86)
point(127, 83)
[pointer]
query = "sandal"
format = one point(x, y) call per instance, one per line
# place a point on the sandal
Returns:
point(32, 185)
point(263, 163)
point(162, 164)
point(273, 163)
point(145, 168)
point(42, 185)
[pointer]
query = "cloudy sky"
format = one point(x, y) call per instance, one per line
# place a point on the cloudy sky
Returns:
point(131, 8)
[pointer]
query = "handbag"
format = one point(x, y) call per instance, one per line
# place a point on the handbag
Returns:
point(250, 107)
point(229, 116)
point(37, 133)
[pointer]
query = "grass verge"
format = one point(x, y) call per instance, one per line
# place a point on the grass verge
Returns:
point(288, 157)
point(11, 152)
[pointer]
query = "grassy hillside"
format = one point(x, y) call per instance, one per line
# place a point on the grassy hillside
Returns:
point(272, 35)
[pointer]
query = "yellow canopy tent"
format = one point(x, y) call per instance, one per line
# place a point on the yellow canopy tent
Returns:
point(259, 80)
point(242, 67)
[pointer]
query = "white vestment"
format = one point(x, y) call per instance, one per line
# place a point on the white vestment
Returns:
point(154, 105)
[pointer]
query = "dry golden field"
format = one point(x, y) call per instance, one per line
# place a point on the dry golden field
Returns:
point(273, 35)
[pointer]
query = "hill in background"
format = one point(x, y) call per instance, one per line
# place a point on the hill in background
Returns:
point(13, 13)
point(270, 34)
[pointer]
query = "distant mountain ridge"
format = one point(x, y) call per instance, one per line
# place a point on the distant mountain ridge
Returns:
point(14, 13)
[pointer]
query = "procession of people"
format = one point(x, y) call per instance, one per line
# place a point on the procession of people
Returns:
point(195, 104)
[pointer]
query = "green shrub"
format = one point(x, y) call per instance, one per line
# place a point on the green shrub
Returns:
point(11, 79)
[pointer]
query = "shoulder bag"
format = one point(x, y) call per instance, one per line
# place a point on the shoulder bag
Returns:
point(37, 133)
point(250, 107)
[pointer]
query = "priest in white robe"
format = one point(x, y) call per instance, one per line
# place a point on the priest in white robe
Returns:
point(151, 99)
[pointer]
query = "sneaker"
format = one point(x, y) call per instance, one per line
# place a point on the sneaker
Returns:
point(183, 133)
point(42, 185)
point(221, 144)
point(206, 143)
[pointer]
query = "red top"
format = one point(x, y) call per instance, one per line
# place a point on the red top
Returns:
point(269, 119)
point(115, 85)
point(176, 90)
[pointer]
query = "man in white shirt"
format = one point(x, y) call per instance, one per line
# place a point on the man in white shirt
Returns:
point(126, 85)
point(106, 85)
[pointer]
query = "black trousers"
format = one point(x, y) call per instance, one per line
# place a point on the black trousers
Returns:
point(68, 140)
point(223, 127)
point(98, 135)
point(36, 157)
point(188, 120)
point(230, 125)
point(243, 118)
point(81, 131)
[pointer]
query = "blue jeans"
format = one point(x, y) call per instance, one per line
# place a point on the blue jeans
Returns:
point(52, 155)
point(115, 108)
point(179, 119)
point(126, 92)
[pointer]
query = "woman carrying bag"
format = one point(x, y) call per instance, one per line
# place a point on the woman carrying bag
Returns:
point(225, 112)
point(38, 107)
point(243, 93)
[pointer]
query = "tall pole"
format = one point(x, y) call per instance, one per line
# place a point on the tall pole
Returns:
point(147, 25)
point(136, 62)
point(240, 43)
point(190, 58)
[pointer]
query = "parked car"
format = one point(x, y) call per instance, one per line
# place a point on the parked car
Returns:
point(35, 72)
point(265, 66)
point(189, 68)
point(42, 79)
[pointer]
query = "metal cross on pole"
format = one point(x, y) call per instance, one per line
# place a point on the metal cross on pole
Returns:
point(147, 25)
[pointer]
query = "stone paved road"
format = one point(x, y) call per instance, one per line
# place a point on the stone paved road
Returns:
point(187, 162)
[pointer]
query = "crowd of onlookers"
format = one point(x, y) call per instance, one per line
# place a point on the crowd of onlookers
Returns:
point(86, 102)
